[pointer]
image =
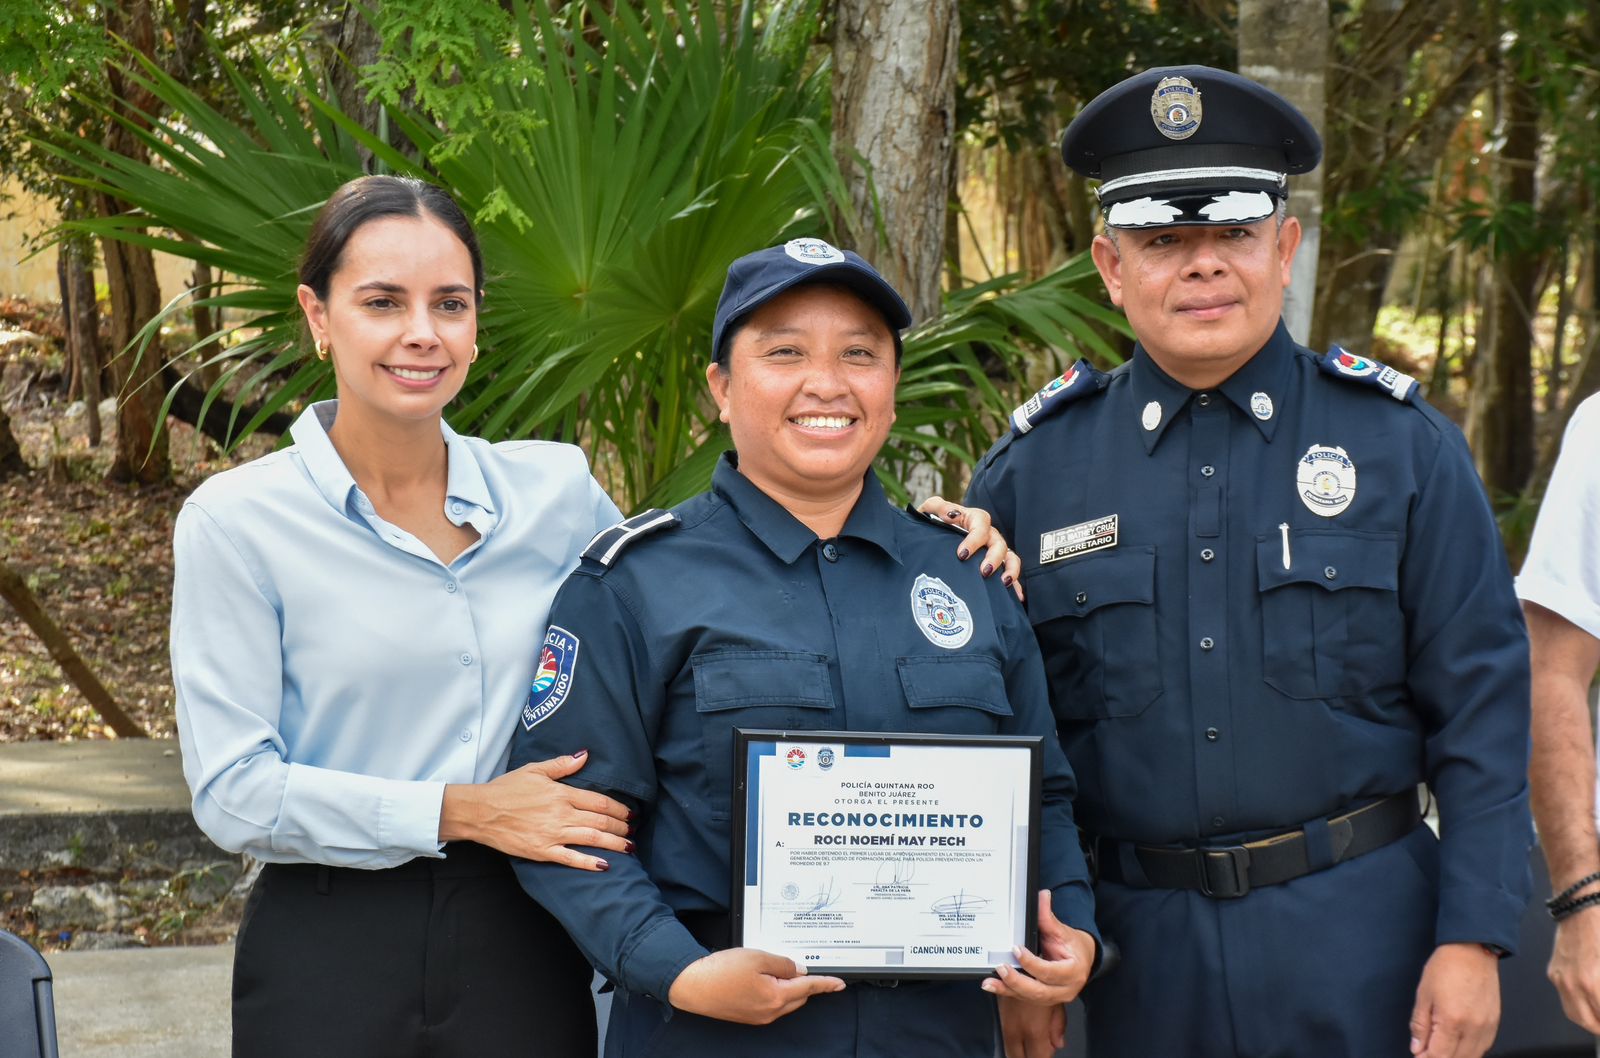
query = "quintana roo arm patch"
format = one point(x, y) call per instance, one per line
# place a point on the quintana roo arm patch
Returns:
point(552, 679)
point(1077, 381)
point(609, 543)
point(1367, 371)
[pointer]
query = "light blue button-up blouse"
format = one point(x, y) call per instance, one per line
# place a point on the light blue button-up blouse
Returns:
point(332, 674)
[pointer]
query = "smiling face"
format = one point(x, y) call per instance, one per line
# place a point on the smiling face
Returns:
point(809, 394)
point(1202, 299)
point(399, 320)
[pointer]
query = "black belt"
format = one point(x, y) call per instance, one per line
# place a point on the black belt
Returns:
point(1232, 871)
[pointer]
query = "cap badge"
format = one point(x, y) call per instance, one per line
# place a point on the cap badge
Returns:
point(941, 615)
point(812, 251)
point(1261, 406)
point(1326, 480)
point(1175, 108)
point(1151, 417)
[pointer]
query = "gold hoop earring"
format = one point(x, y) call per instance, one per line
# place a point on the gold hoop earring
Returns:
point(322, 353)
point(474, 359)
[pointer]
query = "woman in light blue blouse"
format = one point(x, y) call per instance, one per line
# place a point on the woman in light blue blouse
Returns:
point(353, 630)
point(355, 626)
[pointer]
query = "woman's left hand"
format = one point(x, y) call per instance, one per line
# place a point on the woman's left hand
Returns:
point(1054, 976)
point(981, 535)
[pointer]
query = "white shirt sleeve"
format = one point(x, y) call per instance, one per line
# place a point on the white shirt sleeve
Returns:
point(228, 669)
point(1562, 570)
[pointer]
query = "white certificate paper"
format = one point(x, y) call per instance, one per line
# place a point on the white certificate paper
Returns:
point(887, 855)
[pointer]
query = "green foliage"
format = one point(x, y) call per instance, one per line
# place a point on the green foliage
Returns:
point(1024, 61)
point(452, 61)
point(672, 137)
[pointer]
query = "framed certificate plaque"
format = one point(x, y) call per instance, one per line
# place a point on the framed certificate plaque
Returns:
point(885, 855)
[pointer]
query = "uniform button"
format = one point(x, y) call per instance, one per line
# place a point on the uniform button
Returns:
point(1207, 470)
point(364, 504)
point(1211, 734)
point(1207, 643)
point(1204, 400)
point(1217, 821)
point(1082, 597)
point(465, 736)
point(830, 552)
point(1330, 572)
point(466, 659)
point(457, 507)
point(1206, 554)
point(450, 586)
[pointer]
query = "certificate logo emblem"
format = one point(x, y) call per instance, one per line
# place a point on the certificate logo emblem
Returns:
point(796, 758)
point(552, 680)
point(825, 758)
point(1326, 480)
point(940, 613)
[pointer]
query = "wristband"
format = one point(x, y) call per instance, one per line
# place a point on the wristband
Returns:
point(1567, 893)
point(1572, 907)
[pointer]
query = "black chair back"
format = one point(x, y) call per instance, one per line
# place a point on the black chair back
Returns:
point(27, 1006)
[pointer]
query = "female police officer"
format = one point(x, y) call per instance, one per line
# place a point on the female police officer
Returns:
point(781, 598)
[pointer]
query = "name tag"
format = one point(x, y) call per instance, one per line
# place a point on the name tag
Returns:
point(1093, 535)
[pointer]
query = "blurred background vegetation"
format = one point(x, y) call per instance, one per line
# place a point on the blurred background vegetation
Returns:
point(616, 154)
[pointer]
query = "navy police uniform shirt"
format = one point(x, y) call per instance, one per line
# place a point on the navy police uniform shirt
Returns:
point(734, 614)
point(1269, 602)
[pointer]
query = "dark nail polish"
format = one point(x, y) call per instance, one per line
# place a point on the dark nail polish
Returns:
point(954, 513)
point(962, 553)
point(1006, 580)
point(986, 569)
point(581, 753)
point(628, 848)
point(603, 865)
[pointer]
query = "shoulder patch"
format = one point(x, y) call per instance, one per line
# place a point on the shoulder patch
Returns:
point(1079, 380)
point(608, 543)
point(1367, 371)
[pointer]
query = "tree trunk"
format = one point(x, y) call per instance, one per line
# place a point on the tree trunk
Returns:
point(11, 462)
point(1283, 44)
point(894, 103)
point(358, 45)
point(205, 325)
point(1373, 142)
point(81, 321)
point(141, 450)
point(1500, 421)
point(14, 590)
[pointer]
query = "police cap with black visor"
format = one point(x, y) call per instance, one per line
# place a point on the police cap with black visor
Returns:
point(1187, 145)
point(757, 278)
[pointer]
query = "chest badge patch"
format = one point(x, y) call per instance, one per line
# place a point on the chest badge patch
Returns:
point(941, 615)
point(552, 680)
point(1261, 406)
point(1093, 535)
point(1326, 480)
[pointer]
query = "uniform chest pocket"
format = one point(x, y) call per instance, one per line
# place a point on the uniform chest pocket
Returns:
point(955, 695)
point(1331, 624)
point(780, 689)
point(1096, 622)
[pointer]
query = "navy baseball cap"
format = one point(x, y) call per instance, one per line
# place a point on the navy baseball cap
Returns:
point(757, 278)
point(1189, 145)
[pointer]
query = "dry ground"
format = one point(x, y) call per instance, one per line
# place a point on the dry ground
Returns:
point(97, 556)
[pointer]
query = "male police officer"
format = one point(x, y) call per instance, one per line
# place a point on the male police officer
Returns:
point(1272, 600)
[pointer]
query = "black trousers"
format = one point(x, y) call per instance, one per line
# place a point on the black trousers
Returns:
point(432, 959)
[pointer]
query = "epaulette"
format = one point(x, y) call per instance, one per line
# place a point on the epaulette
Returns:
point(1340, 364)
point(608, 543)
point(933, 519)
point(1080, 380)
